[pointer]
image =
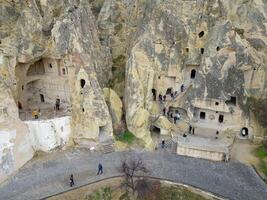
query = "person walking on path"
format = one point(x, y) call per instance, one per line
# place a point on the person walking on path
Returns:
point(71, 180)
point(100, 169)
point(163, 144)
point(190, 129)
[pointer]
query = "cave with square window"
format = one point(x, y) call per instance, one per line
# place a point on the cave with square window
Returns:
point(39, 85)
point(231, 101)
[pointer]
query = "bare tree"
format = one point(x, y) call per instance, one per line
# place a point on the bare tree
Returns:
point(133, 170)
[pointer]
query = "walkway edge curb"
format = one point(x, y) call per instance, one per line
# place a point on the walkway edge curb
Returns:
point(199, 190)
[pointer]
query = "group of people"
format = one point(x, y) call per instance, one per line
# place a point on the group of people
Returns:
point(163, 98)
point(99, 172)
point(36, 113)
point(175, 115)
point(191, 130)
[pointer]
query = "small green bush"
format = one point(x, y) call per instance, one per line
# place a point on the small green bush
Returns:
point(177, 193)
point(102, 194)
point(126, 137)
point(263, 167)
point(261, 152)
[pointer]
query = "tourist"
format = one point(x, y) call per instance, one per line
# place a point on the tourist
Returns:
point(168, 113)
point(164, 111)
point(217, 132)
point(162, 143)
point(178, 116)
point(57, 104)
point(172, 96)
point(182, 87)
point(193, 131)
point(164, 98)
point(190, 129)
point(100, 169)
point(71, 180)
point(154, 94)
point(35, 114)
point(160, 98)
point(175, 119)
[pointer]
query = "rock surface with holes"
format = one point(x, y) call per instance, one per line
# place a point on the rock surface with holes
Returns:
point(62, 36)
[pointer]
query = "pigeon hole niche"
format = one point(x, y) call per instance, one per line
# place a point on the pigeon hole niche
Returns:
point(40, 85)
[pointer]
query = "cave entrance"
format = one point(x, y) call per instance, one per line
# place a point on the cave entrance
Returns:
point(42, 98)
point(202, 115)
point(220, 119)
point(169, 91)
point(19, 105)
point(244, 132)
point(82, 82)
point(193, 74)
point(40, 85)
point(154, 130)
point(231, 101)
point(154, 93)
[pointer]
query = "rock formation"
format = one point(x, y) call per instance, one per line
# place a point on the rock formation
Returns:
point(202, 61)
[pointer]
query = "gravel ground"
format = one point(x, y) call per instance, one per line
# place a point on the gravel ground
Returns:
point(49, 175)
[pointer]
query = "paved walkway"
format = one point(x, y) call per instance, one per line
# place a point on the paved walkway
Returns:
point(49, 175)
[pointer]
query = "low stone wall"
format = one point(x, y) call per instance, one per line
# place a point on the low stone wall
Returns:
point(199, 153)
point(46, 135)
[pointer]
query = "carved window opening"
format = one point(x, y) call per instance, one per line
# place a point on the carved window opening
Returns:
point(244, 132)
point(42, 98)
point(19, 105)
point(169, 91)
point(82, 82)
point(221, 117)
point(154, 92)
point(201, 34)
point(202, 115)
point(193, 74)
point(231, 101)
point(202, 50)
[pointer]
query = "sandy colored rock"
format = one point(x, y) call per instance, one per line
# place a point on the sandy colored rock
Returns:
point(115, 105)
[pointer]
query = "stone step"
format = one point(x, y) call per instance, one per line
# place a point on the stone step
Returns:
point(171, 145)
point(108, 148)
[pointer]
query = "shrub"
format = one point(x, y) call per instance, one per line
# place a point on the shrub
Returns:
point(126, 137)
point(261, 152)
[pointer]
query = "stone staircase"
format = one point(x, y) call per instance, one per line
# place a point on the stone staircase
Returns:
point(170, 146)
point(107, 148)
